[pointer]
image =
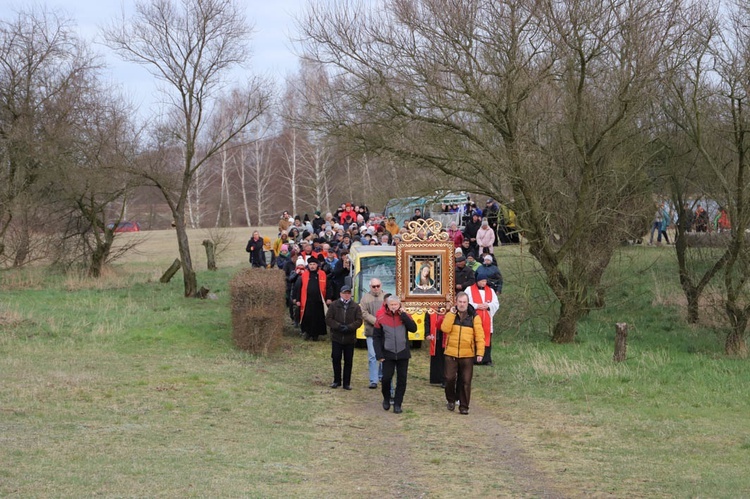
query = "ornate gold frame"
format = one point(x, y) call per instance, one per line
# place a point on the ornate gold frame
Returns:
point(425, 244)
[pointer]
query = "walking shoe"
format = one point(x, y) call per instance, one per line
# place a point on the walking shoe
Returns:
point(373, 386)
point(463, 411)
point(386, 404)
point(335, 385)
point(451, 406)
point(397, 409)
point(347, 387)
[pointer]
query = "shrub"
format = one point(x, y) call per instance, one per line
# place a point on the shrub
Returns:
point(258, 309)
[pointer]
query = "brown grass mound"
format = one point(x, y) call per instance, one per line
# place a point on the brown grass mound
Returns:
point(258, 309)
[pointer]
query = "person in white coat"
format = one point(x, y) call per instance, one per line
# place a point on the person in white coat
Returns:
point(485, 302)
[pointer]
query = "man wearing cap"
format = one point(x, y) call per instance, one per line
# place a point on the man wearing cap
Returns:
point(464, 275)
point(311, 290)
point(484, 300)
point(371, 303)
point(344, 317)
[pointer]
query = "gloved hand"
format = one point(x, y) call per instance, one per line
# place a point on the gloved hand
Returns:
point(343, 328)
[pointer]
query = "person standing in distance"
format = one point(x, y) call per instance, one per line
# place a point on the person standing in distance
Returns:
point(465, 343)
point(390, 336)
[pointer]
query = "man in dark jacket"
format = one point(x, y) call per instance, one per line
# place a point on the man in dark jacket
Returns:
point(390, 336)
point(464, 275)
point(470, 232)
point(343, 318)
point(255, 248)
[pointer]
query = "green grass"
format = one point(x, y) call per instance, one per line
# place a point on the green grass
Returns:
point(122, 387)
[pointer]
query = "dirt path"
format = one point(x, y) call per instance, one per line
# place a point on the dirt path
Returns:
point(425, 452)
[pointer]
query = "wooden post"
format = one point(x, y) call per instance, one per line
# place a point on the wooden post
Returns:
point(210, 253)
point(171, 271)
point(621, 342)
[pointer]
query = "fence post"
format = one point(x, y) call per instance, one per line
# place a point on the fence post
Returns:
point(621, 342)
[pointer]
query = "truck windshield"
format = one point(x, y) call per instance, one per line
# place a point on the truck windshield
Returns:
point(380, 267)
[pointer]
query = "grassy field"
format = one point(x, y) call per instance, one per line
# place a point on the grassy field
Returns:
point(121, 387)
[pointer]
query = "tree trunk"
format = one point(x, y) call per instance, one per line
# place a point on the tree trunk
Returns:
point(101, 253)
point(735, 345)
point(567, 323)
point(189, 278)
point(170, 272)
point(210, 253)
point(693, 297)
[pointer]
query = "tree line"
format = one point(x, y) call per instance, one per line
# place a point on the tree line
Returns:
point(574, 114)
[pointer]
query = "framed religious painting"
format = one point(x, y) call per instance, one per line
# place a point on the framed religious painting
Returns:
point(425, 268)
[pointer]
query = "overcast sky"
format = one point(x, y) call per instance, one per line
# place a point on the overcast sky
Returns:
point(272, 50)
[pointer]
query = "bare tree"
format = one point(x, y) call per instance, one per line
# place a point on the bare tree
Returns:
point(191, 46)
point(43, 68)
point(541, 99)
point(709, 99)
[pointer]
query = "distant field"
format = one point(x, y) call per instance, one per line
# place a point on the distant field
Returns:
point(160, 246)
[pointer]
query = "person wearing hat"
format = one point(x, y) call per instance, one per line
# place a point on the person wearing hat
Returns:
point(318, 222)
point(484, 300)
point(347, 213)
point(343, 318)
point(489, 271)
point(311, 291)
point(464, 276)
point(390, 336)
point(471, 262)
point(485, 237)
point(282, 239)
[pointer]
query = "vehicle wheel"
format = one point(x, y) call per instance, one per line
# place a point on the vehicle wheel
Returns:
point(416, 345)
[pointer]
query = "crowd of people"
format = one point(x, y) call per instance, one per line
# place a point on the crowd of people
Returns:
point(314, 255)
point(696, 220)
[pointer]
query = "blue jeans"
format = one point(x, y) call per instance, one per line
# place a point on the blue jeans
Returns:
point(375, 367)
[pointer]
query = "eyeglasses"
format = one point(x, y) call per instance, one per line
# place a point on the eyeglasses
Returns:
point(374, 285)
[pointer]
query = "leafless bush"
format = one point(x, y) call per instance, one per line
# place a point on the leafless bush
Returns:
point(222, 238)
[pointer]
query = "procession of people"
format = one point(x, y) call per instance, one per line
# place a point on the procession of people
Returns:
point(314, 256)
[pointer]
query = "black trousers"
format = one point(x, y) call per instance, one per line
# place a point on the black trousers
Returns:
point(463, 388)
point(401, 367)
point(339, 350)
